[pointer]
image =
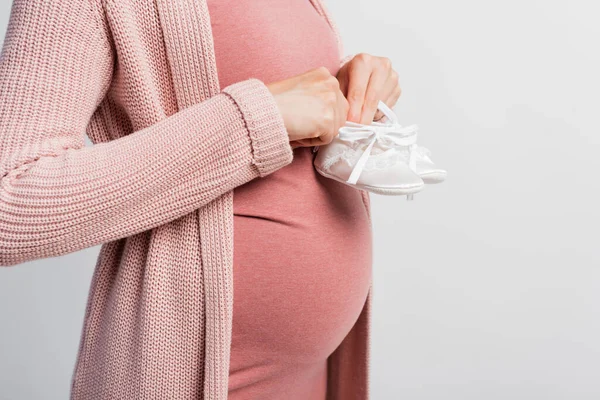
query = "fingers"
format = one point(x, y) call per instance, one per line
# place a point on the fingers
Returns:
point(353, 96)
point(375, 92)
point(390, 95)
point(359, 73)
point(396, 92)
point(341, 113)
point(304, 142)
point(369, 79)
point(317, 141)
point(295, 143)
point(342, 77)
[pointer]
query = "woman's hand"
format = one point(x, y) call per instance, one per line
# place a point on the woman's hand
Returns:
point(365, 80)
point(312, 106)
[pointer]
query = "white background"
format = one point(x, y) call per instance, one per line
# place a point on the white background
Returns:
point(487, 286)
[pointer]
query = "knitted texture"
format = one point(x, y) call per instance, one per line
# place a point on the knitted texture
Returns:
point(155, 189)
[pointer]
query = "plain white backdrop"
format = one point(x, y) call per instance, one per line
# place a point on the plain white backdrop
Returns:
point(487, 286)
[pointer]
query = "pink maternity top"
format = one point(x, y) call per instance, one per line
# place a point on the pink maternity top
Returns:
point(302, 242)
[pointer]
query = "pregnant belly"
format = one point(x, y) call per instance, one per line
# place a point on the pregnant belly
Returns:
point(302, 265)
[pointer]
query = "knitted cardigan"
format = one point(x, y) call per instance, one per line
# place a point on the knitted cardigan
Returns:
point(155, 189)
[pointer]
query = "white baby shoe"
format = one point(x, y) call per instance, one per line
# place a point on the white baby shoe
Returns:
point(365, 158)
point(382, 158)
point(425, 168)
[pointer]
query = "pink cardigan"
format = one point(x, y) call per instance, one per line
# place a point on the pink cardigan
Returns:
point(139, 78)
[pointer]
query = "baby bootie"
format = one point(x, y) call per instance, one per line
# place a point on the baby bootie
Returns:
point(382, 158)
point(425, 168)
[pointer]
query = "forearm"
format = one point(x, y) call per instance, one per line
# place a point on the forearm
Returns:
point(83, 197)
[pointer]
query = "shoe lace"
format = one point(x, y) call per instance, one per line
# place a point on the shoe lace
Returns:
point(387, 135)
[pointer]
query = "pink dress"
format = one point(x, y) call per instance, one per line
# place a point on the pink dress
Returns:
point(302, 242)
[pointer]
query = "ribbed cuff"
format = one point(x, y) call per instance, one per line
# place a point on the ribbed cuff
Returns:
point(271, 148)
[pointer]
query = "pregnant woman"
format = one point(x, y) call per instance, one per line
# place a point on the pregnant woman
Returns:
point(229, 268)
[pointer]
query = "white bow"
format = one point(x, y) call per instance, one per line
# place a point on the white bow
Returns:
point(389, 135)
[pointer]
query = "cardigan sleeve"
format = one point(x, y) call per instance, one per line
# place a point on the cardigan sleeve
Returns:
point(58, 196)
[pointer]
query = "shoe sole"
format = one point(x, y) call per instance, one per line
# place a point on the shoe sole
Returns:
point(433, 177)
point(377, 190)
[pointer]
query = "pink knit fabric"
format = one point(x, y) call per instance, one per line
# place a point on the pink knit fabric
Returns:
point(156, 189)
point(302, 243)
